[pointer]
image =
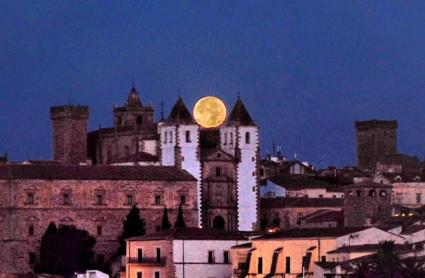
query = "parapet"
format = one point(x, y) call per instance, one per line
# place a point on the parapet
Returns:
point(372, 124)
point(69, 111)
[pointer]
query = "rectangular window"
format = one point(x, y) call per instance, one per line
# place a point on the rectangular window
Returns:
point(157, 200)
point(157, 274)
point(188, 136)
point(30, 198)
point(31, 230)
point(288, 265)
point(211, 259)
point(182, 199)
point(226, 257)
point(99, 230)
point(299, 215)
point(323, 258)
point(158, 255)
point(139, 255)
point(66, 199)
point(418, 198)
point(31, 257)
point(129, 200)
point(218, 171)
point(260, 265)
point(139, 275)
point(99, 199)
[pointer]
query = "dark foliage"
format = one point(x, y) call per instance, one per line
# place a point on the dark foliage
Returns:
point(65, 250)
point(180, 219)
point(133, 225)
point(165, 225)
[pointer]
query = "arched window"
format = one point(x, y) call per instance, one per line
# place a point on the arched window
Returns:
point(218, 223)
point(218, 171)
point(372, 193)
point(171, 137)
point(166, 137)
point(247, 138)
point(187, 135)
point(382, 193)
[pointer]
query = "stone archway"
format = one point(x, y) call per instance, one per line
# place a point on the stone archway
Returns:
point(218, 223)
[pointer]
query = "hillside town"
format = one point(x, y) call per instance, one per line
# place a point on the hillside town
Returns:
point(171, 198)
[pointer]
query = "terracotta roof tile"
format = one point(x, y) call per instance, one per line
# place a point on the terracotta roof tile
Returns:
point(316, 232)
point(290, 202)
point(191, 234)
point(67, 172)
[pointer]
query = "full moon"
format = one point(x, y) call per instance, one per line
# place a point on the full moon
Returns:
point(209, 112)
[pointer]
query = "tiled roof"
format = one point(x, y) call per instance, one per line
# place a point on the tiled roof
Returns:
point(239, 115)
point(191, 234)
point(308, 233)
point(137, 157)
point(413, 229)
point(243, 246)
point(324, 216)
point(149, 128)
point(294, 182)
point(71, 172)
point(369, 184)
point(367, 248)
point(179, 114)
point(290, 202)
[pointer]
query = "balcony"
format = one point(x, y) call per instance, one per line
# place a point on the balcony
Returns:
point(148, 261)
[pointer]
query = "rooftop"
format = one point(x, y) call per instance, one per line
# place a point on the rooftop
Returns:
point(71, 172)
point(290, 202)
point(312, 233)
point(191, 234)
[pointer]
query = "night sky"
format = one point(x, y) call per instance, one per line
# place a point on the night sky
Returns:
point(306, 70)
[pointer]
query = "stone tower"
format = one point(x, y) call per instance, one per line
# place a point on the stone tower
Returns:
point(375, 139)
point(179, 144)
point(239, 137)
point(69, 132)
point(133, 113)
point(366, 202)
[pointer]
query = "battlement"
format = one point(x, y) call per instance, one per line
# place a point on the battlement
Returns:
point(69, 111)
point(372, 124)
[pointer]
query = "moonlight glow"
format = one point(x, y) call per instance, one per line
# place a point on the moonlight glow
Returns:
point(209, 112)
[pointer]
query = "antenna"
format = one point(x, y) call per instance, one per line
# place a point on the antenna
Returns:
point(132, 82)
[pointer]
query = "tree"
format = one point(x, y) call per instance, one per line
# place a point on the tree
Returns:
point(180, 219)
point(65, 250)
point(133, 225)
point(165, 225)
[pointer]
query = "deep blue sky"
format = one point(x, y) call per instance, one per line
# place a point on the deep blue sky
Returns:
point(306, 70)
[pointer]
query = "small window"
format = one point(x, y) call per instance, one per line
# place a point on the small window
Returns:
point(99, 199)
point(30, 198)
point(158, 228)
point(126, 151)
point(129, 200)
point(108, 156)
point(31, 230)
point(320, 195)
point(139, 120)
point(231, 138)
point(418, 198)
point(157, 274)
point(66, 200)
point(359, 193)
point(382, 193)
point(31, 256)
point(158, 255)
point(300, 215)
point(372, 193)
point(187, 135)
point(99, 230)
point(166, 137)
point(171, 137)
point(323, 258)
point(225, 139)
point(226, 257)
point(157, 200)
point(260, 265)
point(139, 274)
point(354, 208)
point(288, 265)
point(218, 171)
point(211, 258)
point(247, 138)
point(182, 199)
point(139, 255)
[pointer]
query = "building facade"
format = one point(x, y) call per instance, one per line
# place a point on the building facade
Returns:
point(96, 199)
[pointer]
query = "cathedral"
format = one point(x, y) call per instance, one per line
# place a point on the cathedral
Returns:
point(95, 177)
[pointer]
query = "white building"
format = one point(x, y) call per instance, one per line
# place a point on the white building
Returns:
point(92, 274)
point(182, 253)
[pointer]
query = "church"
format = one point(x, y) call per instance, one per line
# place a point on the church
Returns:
point(95, 177)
